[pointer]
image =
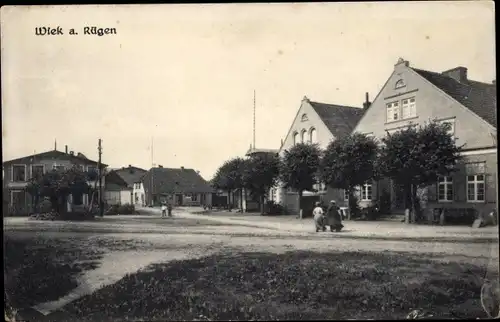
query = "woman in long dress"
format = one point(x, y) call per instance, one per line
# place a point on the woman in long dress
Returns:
point(334, 218)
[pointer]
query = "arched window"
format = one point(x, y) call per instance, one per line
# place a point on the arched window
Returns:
point(304, 117)
point(303, 136)
point(400, 83)
point(312, 136)
point(295, 138)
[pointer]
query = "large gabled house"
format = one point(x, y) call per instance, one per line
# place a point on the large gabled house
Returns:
point(182, 186)
point(19, 171)
point(120, 184)
point(413, 95)
point(318, 123)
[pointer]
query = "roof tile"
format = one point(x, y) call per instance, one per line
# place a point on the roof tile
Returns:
point(478, 97)
point(339, 119)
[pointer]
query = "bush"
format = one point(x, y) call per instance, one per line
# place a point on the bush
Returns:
point(45, 206)
point(126, 209)
point(273, 208)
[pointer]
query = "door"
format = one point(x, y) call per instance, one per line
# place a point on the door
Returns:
point(178, 200)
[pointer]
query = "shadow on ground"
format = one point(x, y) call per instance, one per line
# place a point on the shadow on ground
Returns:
point(294, 285)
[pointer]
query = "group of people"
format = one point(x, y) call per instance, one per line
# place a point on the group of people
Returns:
point(166, 207)
point(331, 217)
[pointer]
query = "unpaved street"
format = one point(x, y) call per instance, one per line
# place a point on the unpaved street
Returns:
point(131, 244)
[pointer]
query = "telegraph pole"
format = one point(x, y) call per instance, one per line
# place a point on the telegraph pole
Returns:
point(99, 148)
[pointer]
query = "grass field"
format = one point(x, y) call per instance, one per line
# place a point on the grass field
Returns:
point(294, 285)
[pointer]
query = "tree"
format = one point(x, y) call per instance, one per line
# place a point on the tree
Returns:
point(260, 175)
point(299, 167)
point(349, 162)
point(417, 156)
point(229, 176)
point(57, 185)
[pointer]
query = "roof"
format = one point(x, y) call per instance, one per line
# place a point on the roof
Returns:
point(266, 151)
point(340, 120)
point(171, 180)
point(115, 187)
point(480, 98)
point(56, 155)
point(130, 174)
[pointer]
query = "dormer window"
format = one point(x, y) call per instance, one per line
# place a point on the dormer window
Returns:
point(400, 83)
point(304, 118)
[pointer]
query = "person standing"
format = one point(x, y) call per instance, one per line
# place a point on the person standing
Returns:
point(319, 217)
point(163, 209)
point(169, 207)
point(334, 217)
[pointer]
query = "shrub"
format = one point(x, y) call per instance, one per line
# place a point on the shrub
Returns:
point(273, 208)
point(45, 206)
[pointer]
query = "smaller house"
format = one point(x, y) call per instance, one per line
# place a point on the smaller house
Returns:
point(18, 172)
point(120, 184)
point(182, 186)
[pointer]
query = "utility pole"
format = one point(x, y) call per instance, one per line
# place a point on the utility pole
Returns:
point(101, 209)
point(152, 171)
point(254, 119)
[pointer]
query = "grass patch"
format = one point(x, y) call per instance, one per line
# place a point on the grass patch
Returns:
point(39, 270)
point(294, 285)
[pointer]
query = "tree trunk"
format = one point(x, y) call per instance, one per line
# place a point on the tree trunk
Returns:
point(241, 199)
point(349, 210)
point(413, 208)
point(262, 204)
point(300, 205)
point(229, 200)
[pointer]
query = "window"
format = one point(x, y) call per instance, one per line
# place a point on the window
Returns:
point(400, 83)
point(18, 173)
point(312, 136)
point(17, 199)
point(475, 188)
point(304, 118)
point(356, 192)
point(92, 168)
point(445, 189)
point(295, 138)
point(392, 111)
point(37, 170)
point(408, 107)
point(81, 167)
point(58, 167)
point(366, 192)
point(194, 197)
point(303, 136)
point(475, 181)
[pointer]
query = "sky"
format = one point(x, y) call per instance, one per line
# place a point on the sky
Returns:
point(183, 76)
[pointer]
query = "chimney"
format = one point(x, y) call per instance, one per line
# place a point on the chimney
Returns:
point(458, 73)
point(401, 62)
point(160, 166)
point(182, 168)
point(130, 166)
point(367, 102)
point(66, 149)
point(71, 152)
